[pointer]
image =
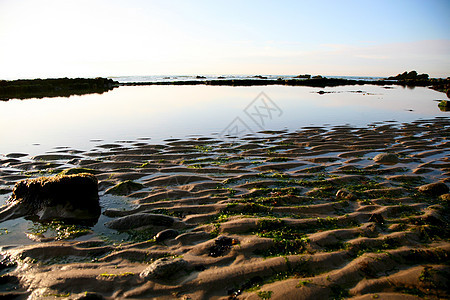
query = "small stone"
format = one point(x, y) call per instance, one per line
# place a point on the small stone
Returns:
point(434, 189)
point(344, 194)
point(164, 268)
point(165, 235)
point(386, 158)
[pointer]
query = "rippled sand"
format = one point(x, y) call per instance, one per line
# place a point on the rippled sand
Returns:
point(291, 235)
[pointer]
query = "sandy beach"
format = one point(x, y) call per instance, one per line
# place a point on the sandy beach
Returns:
point(319, 213)
point(119, 177)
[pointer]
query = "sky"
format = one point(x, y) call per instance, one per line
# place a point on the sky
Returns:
point(90, 38)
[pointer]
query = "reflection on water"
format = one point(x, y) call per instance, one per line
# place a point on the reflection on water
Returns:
point(161, 112)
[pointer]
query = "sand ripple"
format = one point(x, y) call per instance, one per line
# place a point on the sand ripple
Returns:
point(274, 196)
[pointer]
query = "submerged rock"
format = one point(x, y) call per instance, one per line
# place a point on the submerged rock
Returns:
point(61, 197)
point(164, 268)
point(386, 158)
point(434, 189)
point(139, 220)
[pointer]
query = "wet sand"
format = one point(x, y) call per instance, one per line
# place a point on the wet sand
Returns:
point(312, 214)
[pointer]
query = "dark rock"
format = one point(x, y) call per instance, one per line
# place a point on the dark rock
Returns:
point(434, 189)
point(61, 197)
point(164, 268)
point(140, 220)
point(386, 158)
point(165, 235)
point(222, 245)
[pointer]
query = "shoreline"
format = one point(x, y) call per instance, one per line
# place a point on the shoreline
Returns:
point(65, 87)
point(275, 197)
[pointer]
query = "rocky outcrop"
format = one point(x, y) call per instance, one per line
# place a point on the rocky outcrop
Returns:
point(54, 87)
point(409, 76)
point(61, 197)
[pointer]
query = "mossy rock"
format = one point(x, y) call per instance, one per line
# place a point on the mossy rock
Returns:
point(62, 197)
point(125, 188)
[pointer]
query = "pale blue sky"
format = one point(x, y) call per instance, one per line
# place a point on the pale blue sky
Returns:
point(49, 38)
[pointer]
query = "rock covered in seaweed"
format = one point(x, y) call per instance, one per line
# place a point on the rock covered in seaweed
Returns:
point(61, 197)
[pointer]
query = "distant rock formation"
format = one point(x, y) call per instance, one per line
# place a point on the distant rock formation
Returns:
point(54, 87)
point(304, 76)
point(409, 76)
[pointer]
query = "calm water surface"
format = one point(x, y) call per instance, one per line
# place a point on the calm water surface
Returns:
point(160, 112)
